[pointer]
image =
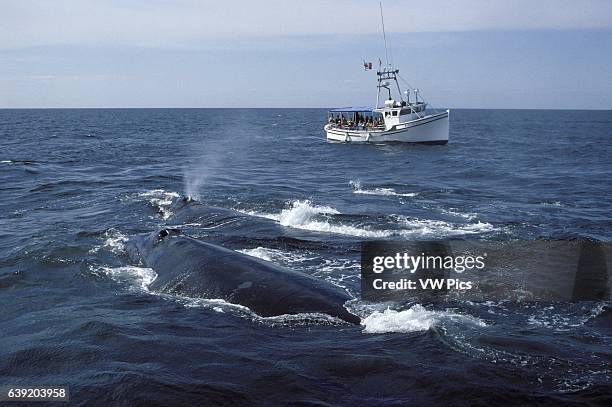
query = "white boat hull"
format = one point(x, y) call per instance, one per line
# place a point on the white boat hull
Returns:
point(431, 129)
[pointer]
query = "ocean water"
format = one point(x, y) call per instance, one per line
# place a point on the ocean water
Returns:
point(76, 184)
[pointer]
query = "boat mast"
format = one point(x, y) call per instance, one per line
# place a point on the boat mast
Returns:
point(382, 19)
point(387, 72)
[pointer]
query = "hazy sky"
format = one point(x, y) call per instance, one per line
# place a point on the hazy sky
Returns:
point(173, 53)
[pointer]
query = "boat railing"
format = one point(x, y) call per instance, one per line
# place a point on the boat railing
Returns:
point(357, 127)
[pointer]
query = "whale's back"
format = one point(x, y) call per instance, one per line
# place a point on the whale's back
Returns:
point(193, 268)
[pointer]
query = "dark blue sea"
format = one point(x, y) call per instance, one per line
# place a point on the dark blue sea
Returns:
point(74, 310)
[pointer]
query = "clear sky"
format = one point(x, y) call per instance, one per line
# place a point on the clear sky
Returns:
point(281, 53)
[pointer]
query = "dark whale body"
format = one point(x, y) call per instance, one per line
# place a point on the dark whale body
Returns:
point(193, 268)
point(188, 210)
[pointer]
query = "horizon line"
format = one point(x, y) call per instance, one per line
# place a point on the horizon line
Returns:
point(285, 108)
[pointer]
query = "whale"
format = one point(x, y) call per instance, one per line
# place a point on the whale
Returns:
point(187, 210)
point(193, 268)
point(229, 221)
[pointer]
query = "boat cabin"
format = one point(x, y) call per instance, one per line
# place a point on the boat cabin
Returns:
point(394, 112)
point(367, 118)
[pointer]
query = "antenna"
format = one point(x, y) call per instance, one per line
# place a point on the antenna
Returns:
point(384, 34)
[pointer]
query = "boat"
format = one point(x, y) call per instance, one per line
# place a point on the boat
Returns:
point(397, 119)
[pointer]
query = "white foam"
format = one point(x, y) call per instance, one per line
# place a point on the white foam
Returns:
point(298, 212)
point(561, 320)
point(160, 199)
point(188, 225)
point(383, 192)
point(455, 212)
point(414, 319)
point(115, 242)
point(438, 228)
point(339, 265)
point(340, 272)
point(343, 273)
point(344, 229)
point(303, 214)
point(219, 305)
point(138, 277)
point(216, 304)
point(259, 252)
point(304, 318)
point(277, 256)
point(6, 162)
point(358, 189)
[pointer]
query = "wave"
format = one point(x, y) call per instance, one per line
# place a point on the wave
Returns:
point(303, 214)
point(416, 318)
point(359, 189)
point(161, 200)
